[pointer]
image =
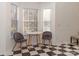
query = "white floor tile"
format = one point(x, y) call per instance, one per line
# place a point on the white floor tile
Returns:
point(68, 54)
point(37, 48)
point(25, 50)
point(76, 51)
point(57, 52)
point(67, 49)
point(46, 50)
point(77, 47)
point(43, 54)
point(33, 52)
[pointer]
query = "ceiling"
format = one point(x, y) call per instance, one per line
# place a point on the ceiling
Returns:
point(34, 4)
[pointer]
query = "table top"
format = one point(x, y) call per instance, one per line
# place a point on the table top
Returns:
point(34, 32)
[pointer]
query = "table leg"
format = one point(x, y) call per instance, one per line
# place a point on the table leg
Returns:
point(37, 39)
point(77, 41)
point(50, 42)
point(29, 40)
point(71, 39)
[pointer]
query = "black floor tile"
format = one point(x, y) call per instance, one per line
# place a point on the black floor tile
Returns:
point(24, 47)
point(62, 50)
point(75, 53)
point(53, 49)
point(61, 55)
point(72, 48)
point(36, 55)
point(43, 47)
point(62, 46)
point(51, 53)
point(40, 51)
point(26, 54)
point(31, 49)
point(17, 52)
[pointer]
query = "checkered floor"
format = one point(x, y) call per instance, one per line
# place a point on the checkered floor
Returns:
point(46, 50)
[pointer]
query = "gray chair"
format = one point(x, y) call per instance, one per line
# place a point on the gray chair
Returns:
point(47, 35)
point(18, 37)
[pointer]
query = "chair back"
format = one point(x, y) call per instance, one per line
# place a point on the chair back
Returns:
point(47, 35)
point(18, 36)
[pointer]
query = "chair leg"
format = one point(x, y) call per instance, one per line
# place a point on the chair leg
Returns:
point(37, 39)
point(26, 43)
point(43, 41)
point(14, 46)
point(50, 42)
point(20, 44)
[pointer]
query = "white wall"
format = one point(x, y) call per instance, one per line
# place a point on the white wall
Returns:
point(6, 43)
point(66, 21)
point(27, 4)
point(2, 28)
point(46, 5)
point(9, 41)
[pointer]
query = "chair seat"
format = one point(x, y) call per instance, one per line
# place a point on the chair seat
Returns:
point(47, 35)
point(21, 40)
point(18, 37)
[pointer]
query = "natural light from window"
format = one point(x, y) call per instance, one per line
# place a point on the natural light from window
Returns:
point(46, 19)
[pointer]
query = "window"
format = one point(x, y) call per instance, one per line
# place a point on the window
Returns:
point(46, 19)
point(30, 22)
